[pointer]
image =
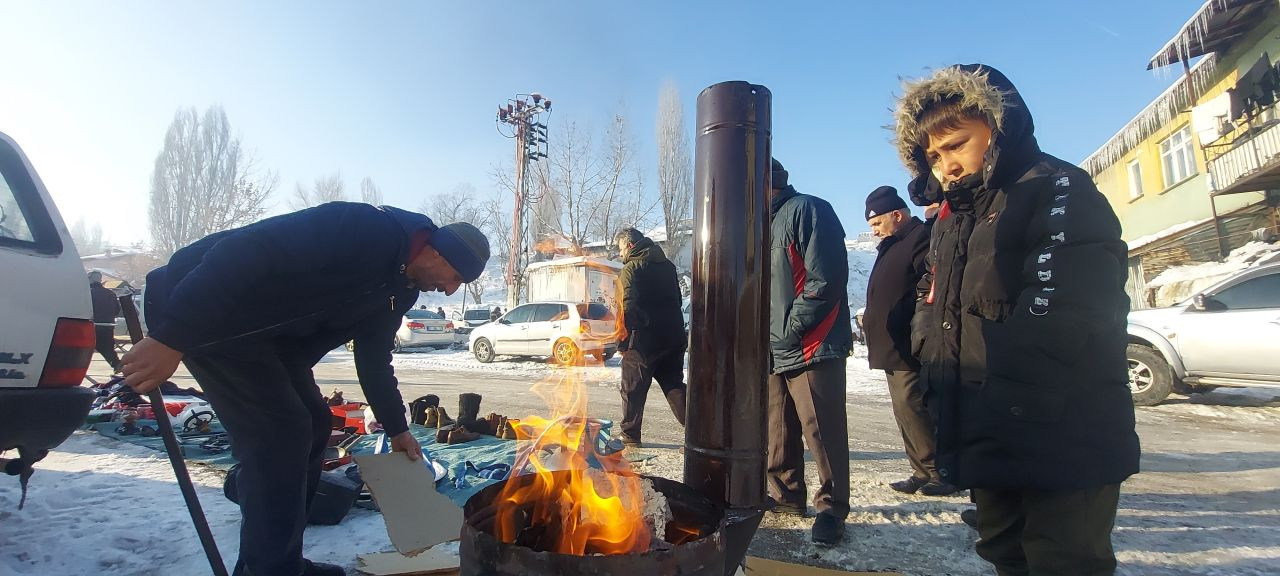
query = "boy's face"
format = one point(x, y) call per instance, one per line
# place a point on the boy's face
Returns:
point(955, 153)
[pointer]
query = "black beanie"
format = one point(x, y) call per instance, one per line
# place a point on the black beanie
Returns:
point(779, 175)
point(883, 200)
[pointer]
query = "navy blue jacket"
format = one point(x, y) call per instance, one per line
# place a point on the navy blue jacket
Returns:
point(302, 283)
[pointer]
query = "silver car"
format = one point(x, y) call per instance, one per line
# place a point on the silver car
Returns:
point(423, 328)
point(1227, 335)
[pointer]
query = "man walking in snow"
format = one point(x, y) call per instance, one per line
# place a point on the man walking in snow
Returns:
point(105, 309)
point(891, 302)
point(250, 311)
point(1021, 335)
point(809, 337)
point(655, 341)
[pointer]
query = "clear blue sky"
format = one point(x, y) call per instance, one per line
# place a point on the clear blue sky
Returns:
point(406, 92)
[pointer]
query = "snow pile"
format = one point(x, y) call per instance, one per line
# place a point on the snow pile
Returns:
point(1178, 283)
point(1141, 241)
point(861, 259)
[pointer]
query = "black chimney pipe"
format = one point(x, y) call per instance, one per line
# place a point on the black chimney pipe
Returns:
point(728, 359)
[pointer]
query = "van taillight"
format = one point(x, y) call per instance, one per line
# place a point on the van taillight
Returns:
point(69, 354)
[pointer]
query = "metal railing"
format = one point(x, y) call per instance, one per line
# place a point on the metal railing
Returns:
point(1255, 150)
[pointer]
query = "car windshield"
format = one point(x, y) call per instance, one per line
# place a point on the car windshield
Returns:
point(595, 311)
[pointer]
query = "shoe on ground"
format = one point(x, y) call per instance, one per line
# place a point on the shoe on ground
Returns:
point(938, 488)
point(910, 485)
point(970, 516)
point(629, 442)
point(321, 569)
point(797, 510)
point(827, 529)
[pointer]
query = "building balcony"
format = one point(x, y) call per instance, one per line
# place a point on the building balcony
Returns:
point(1250, 163)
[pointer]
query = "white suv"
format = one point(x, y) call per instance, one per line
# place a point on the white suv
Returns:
point(1228, 335)
point(563, 330)
point(46, 327)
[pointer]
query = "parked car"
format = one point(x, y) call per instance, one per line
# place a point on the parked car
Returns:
point(471, 318)
point(47, 334)
point(563, 330)
point(424, 328)
point(1227, 335)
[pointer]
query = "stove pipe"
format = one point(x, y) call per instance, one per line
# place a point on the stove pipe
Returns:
point(728, 360)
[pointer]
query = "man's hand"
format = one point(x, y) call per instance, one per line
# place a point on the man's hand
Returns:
point(148, 364)
point(405, 442)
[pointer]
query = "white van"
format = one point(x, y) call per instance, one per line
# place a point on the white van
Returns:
point(46, 326)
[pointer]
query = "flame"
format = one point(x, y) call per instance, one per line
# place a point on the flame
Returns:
point(574, 508)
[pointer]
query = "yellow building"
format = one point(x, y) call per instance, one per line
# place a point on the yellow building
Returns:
point(1197, 172)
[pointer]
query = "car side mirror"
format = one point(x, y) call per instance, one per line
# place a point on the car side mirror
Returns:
point(1198, 303)
point(503, 321)
point(1204, 303)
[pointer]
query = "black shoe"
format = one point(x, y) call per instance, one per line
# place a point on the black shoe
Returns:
point(910, 485)
point(629, 442)
point(319, 569)
point(827, 529)
point(938, 488)
point(797, 510)
point(970, 516)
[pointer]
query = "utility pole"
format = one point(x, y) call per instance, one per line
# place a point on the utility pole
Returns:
point(520, 117)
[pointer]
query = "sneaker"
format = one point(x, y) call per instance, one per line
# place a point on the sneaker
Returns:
point(970, 516)
point(938, 488)
point(797, 510)
point(910, 485)
point(827, 529)
point(310, 568)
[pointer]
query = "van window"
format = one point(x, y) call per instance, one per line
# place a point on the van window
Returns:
point(475, 315)
point(24, 221)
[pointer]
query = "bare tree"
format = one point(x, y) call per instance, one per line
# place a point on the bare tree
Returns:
point(88, 239)
point(203, 181)
point(463, 204)
point(498, 215)
point(369, 192)
point(675, 170)
point(476, 289)
point(327, 188)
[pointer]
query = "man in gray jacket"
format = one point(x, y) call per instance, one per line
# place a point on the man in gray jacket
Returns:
point(809, 337)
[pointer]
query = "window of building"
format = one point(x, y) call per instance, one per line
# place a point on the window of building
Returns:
point(1135, 180)
point(1177, 158)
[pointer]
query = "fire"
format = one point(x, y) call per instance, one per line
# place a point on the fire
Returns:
point(571, 507)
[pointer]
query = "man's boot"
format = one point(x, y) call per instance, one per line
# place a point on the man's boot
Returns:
point(442, 417)
point(469, 412)
point(431, 417)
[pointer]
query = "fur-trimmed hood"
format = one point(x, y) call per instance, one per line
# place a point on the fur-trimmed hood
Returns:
point(987, 90)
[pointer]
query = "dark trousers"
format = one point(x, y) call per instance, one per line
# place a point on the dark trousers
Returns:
point(279, 425)
point(106, 344)
point(1048, 532)
point(639, 369)
point(914, 421)
point(809, 403)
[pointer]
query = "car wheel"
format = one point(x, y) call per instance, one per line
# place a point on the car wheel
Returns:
point(351, 345)
point(395, 345)
point(603, 356)
point(565, 352)
point(1150, 379)
point(483, 351)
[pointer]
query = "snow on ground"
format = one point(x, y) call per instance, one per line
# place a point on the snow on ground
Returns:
point(861, 379)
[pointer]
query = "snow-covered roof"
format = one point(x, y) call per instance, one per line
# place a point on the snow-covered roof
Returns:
point(1162, 111)
point(1211, 28)
point(1141, 241)
point(575, 261)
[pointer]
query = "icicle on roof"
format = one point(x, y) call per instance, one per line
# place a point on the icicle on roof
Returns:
point(1175, 100)
point(1190, 34)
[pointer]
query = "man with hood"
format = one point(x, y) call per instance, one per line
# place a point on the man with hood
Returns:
point(1021, 334)
point(809, 339)
point(654, 345)
point(250, 311)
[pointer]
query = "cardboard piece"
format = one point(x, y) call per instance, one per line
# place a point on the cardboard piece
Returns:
point(417, 516)
point(438, 561)
point(763, 567)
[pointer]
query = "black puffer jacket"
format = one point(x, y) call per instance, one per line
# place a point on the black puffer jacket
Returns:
point(105, 304)
point(651, 300)
point(809, 299)
point(891, 297)
point(1022, 337)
